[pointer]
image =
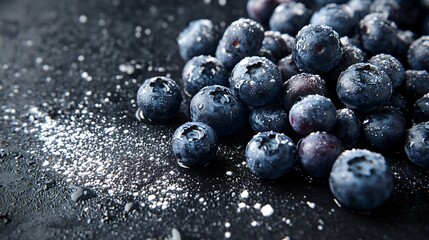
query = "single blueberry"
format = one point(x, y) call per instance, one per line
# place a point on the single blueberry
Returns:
point(269, 118)
point(347, 127)
point(274, 46)
point(217, 107)
point(421, 109)
point(313, 113)
point(290, 17)
point(391, 66)
point(317, 49)
point(361, 180)
point(256, 81)
point(241, 39)
point(159, 98)
point(340, 17)
point(364, 87)
point(418, 54)
point(287, 67)
point(199, 38)
point(194, 144)
point(202, 71)
point(417, 144)
point(271, 155)
point(261, 10)
point(416, 83)
point(317, 153)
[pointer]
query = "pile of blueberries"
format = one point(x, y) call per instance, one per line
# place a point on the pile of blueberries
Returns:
point(329, 75)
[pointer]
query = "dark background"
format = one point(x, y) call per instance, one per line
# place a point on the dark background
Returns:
point(51, 111)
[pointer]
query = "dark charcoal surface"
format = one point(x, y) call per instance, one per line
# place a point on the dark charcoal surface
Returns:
point(67, 124)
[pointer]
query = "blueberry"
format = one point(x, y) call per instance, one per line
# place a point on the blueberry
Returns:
point(403, 12)
point(351, 55)
point(199, 38)
point(405, 39)
point(340, 17)
point(397, 100)
point(378, 35)
point(287, 67)
point(274, 46)
point(361, 180)
point(317, 153)
point(317, 49)
point(313, 113)
point(384, 129)
point(417, 144)
point(261, 10)
point(159, 98)
point(289, 40)
point(217, 107)
point(360, 7)
point(347, 128)
point(391, 66)
point(269, 118)
point(418, 54)
point(270, 155)
point(364, 87)
point(194, 144)
point(256, 81)
point(290, 17)
point(421, 109)
point(416, 83)
point(202, 71)
point(301, 85)
point(241, 39)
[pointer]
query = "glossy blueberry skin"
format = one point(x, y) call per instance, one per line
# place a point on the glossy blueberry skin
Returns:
point(317, 49)
point(416, 83)
point(340, 17)
point(361, 180)
point(347, 128)
point(391, 66)
point(300, 86)
point(261, 10)
point(313, 113)
point(417, 144)
point(360, 7)
point(287, 67)
point(289, 40)
point(384, 129)
point(378, 35)
point(351, 55)
point(317, 153)
point(271, 155)
point(274, 46)
point(159, 98)
point(290, 17)
point(217, 107)
point(421, 109)
point(241, 39)
point(418, 54)
point(364, 87)
point(203, 71)
point(269, 118)
point(194, 144)
point(405, 39)
point(256, 81)
point(200, 37)
point(397, 100)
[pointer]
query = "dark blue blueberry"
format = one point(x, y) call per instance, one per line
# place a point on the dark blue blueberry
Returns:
point(256, 81)
point(347, 127)
point(384, 129)
point(416, 83)
point(313, 113)
point(202, 71)
point(217, 107)
point(159, 98)
point(418, 54)
point(241, 39)
point(301, 85)
point(421, 109)
point(274, 46)
point(290, 17)
point(417, 144)
point(261, 10)
point(364, 87)
point(398, 101)
point(340, 17)
point(391, 66)
point(199, 38)
point(269, 118)
point(351, 55)
point(271, 155)
point(289, 40)
point(361, 180)
point(317, 49)
point(378, 35)
point(405, 39)
point(287, 68)
point(194, 144)
point(360, 7)
point(317, 153)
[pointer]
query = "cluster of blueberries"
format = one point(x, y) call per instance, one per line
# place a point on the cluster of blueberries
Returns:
point(329, 73)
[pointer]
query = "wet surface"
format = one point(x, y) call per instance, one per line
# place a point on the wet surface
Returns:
point(76, 163)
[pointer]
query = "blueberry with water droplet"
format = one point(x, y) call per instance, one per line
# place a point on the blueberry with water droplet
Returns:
point(421, 109)
point(417, 144)
point(347, 127)
point(290, 17)
point(269, 118)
